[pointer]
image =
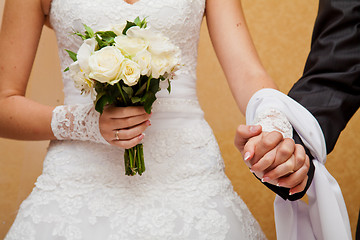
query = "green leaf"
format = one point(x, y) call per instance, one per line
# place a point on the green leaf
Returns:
point(137, 21)
point(100, 42)
point(154, 85)
point(135, 100)
point(89, 32)
point(72, 55)
point(128, 25)
point(107, 37)
point(66, 69)
point(148, 99)
point(128, 90)
point(101, 101)
point(169, 87)
point(141, 90)
point(140, 23)
point(80, 35)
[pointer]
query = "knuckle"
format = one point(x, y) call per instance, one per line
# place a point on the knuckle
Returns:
point(267, 161)
point(267, 142)
point(300, 160)
point(285, 150)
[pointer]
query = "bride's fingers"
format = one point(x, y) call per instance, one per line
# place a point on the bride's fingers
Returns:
point(244, 133)
point(294, 179)
point(299, 188)
point(123, 112)
point(300, 157)
point(128, 143)
point(249, 150)
point(277, 156)
point(282, 170)
point(284, 151)
point(268, 142)
point(265, 162)
point(129, 122)
point(128, 133)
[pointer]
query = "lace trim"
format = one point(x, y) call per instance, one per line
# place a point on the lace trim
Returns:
point(76, 122)
point(274, 120)
point(184, 193)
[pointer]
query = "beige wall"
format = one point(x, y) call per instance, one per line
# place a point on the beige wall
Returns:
point(281, 30)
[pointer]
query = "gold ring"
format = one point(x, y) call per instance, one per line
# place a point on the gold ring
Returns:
point(117, 135)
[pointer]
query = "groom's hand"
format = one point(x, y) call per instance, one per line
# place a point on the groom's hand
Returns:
point(273, 159)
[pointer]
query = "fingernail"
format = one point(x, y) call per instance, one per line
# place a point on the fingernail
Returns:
point(247, 156)
point(278, 184)
point(251, 170)
point(254, 128)
point(149, 123)
point(265, 179)
point(141, 137)
point(290, 193)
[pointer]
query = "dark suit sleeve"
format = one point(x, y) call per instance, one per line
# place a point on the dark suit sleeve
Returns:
point(330, 85)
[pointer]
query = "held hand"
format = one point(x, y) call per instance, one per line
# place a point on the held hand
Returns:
point(294, 179)
point(124, 126)
point(273, 159)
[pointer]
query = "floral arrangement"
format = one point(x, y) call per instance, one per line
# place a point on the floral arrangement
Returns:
point(124, 66)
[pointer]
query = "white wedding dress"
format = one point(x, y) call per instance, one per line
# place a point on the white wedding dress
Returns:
point(83, 192)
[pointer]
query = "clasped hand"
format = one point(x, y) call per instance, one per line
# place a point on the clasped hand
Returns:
point(272, 158)
point(123, 126)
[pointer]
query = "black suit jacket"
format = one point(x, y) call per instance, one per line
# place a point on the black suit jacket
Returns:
point(330, 85)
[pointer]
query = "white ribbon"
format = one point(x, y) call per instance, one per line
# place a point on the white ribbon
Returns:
point(325, 217)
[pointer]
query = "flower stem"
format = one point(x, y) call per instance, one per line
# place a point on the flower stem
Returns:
point(148, 84)
point(121, 92)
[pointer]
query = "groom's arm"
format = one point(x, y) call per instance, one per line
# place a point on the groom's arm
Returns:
point(330, 86)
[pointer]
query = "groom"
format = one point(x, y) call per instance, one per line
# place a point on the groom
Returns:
point(330, 85)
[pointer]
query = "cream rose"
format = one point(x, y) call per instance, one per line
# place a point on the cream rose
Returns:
point(130, 46)
point(84, 53)
point(118, 29)
point(105, 65)
point(80, 81)
point(143, 58)
point(130, 72)
point(160, 65)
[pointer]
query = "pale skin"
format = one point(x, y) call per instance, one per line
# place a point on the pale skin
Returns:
point(24, 119)
point(273, 159)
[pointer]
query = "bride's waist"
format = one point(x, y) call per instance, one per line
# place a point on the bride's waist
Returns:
point(175, 113)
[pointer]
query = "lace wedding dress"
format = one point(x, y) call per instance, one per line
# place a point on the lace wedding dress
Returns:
point(83, 192)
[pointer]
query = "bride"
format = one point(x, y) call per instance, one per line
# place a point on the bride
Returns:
point(83, 192)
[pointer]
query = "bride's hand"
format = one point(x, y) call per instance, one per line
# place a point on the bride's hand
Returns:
point(123, 126)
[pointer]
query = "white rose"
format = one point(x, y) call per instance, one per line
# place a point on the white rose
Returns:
point(159, 66)
point(143, 58)
point(118, 29)
point(105, 65)
point(130, 72)
point(161, 45)
point(143, 33)
point(84, 53)
point(130, 46)
point(80, 81)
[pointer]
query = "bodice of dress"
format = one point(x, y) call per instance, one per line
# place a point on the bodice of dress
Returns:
point(83, 192)
point(179, 20)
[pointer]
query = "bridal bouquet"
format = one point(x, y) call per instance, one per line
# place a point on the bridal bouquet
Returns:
point(124, 66)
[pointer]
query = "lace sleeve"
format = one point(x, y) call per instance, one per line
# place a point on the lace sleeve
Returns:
point(274, 120)
point(77, 122)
